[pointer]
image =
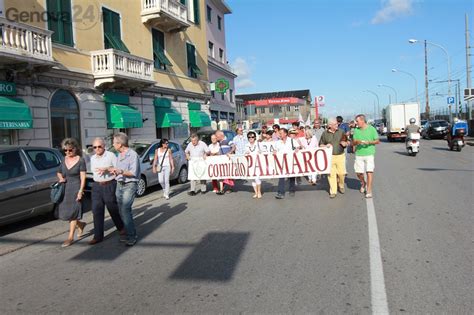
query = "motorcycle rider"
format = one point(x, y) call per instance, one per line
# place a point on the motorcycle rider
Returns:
point(411, 128)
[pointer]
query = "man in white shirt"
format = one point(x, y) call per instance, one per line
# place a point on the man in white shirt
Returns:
point(103, 190)
point(196, 149)
point(285, 145)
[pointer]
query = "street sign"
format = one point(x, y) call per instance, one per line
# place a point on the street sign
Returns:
point(450, 100)
point(321, 100)
point(468, 94)
point(221, 85)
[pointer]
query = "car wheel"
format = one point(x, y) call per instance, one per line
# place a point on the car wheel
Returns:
point(141, 186)
point(183, 175)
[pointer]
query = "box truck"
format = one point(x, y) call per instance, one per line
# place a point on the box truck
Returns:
point(398, 117)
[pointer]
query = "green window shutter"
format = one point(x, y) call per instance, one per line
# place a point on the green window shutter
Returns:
point(191, 59)
point(197, 19)
point(67, 22)
point(112, 35)
point(159, 57)
point(183, 2)
point(60, 21)
point(52, 7)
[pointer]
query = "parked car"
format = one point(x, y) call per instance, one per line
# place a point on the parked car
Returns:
point(26, 174)
point(435, 129)
point(423, 123)
point(205, 135)
point(146, 151)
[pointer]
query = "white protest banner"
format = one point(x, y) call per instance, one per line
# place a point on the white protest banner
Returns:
point(261, 165)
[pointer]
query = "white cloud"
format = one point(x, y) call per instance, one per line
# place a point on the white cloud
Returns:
point(393, 9)
point(243, 71)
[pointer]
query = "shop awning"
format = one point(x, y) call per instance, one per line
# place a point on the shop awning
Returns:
point(14, 114)
point(167, 117)
point(198, 118)
point(123, 116)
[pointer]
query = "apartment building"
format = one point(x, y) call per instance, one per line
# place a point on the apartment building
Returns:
point(87, 68)
point(282, 107)
point(221, 76)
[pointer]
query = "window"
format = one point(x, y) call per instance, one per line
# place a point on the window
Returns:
point(211, 49)
point(297, 109)
point(221, 55)
point(231, 95)
point(197, 19)
point(174, 147)
point(270, 109)
point(183, 2)
point(112, 35)
point(60, 21)
point(213, 94)
point(11, 165)
point(255, 110)
point(209, 14)
point(219, 23)
point(43, 159)
point(193, 69)
point(159, 58)
point(222, 96)
point(288, 108)
point(262, 110)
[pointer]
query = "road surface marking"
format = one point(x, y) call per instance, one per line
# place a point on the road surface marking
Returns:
point(377, 282)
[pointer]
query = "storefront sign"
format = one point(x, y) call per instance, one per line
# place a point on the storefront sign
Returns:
point(7, 88)
point(276, 101)
point(15, 125)
point(262, 165)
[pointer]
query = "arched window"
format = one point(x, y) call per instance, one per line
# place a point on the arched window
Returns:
point(64, 117)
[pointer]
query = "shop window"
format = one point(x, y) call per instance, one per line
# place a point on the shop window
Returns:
point(64, 117)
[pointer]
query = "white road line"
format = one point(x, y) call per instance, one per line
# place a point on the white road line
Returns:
point(377, 282)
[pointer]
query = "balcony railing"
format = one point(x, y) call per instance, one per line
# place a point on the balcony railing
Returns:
point(25, 42)
point(110, 65)
point(170, 14)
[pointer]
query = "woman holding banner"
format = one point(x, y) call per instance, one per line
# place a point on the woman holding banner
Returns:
point(310, 142)
point(252, 147)
point(214, 149)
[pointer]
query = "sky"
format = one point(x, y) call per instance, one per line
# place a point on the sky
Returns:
point(340, 48)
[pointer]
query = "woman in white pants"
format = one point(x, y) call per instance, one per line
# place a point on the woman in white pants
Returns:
point(252, 147)
point(164, 166)
point(310, 142)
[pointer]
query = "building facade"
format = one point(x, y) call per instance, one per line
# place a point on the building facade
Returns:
point(221, 76)
point(87, 68)
point(277, 107)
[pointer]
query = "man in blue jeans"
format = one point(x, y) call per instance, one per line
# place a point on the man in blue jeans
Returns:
point(127, 172)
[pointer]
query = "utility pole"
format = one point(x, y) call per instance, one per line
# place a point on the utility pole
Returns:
point(468, 67)
point(427, 97)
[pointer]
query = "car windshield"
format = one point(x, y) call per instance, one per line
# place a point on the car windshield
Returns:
point(439, 124)
point(140, 148)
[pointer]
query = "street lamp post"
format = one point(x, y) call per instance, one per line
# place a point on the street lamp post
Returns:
point(413, 77)
point(413, 41)
point(394, 91)
point(378, 102)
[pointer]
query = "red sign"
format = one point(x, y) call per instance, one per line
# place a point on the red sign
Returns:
point(275, 101)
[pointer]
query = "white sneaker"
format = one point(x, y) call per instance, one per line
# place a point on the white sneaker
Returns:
point(167, 197)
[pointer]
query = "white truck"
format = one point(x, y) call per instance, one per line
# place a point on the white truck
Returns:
point(398, 117)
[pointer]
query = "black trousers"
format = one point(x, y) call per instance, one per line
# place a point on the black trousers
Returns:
point(104, 195)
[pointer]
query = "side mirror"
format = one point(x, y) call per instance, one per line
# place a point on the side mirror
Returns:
point(151, 156)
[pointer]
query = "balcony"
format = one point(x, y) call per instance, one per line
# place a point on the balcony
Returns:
point(22, 44)
point(169, 15)
point(116, 68)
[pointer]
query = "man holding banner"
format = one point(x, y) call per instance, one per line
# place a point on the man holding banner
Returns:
point(196, 149)
point(285, 145)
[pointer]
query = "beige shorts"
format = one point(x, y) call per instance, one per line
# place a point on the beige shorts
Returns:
point(364, 164)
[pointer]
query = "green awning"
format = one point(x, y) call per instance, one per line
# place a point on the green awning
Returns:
point(198, 118)
point(14, 114)
point(123, 116)
point(167, 117)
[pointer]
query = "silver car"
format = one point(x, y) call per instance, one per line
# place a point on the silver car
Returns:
point(146, 152)
point(26, 174)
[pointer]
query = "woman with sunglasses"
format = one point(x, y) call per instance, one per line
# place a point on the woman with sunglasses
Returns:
point(163, 165)
point(253, 147)
point(72, 173)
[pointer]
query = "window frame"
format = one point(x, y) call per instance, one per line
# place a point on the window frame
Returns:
point(219, 23)
point(193, 70)
point(113, 39)
point(62, 22)
point(160, 61)
point(211, 49)
point(208, 14)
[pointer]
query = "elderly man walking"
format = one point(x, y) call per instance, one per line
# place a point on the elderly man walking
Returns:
point(127, 173)
point(336, 139)
point(103, 191)
point(196, 149)
point(365, 138)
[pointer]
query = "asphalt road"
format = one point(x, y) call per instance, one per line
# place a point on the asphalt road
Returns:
point(233, 254)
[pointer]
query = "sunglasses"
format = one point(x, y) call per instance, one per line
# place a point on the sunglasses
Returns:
point(98, 147)
point(68, 150)
point(251, 137)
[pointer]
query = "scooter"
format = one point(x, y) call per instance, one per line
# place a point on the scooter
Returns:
point(456, 136)
point(413, 144)
point(456, 143)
